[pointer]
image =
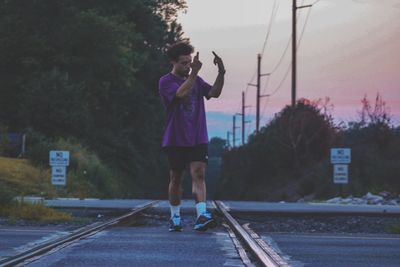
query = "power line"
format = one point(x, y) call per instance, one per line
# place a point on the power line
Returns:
point(272, 18)
point(287, 72)
point(286, 48)
point(273, 15)
point(275, 9)
point(315, 2)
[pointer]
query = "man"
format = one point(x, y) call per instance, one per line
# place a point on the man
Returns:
point(185, 139)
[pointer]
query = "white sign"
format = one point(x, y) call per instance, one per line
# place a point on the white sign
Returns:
point(340, 155)
point(59, 158)
point(58, 175)
point(340, 174)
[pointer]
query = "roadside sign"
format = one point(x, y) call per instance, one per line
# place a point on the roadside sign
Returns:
point(340, 155)
point(340, 174)
point(59, 158)
point(58, 175)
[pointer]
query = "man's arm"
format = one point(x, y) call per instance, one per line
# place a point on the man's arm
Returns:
point(217, 86)
point(187, 85)
point(219, 81)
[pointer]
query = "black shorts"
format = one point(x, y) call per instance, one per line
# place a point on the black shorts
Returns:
point(179, 157)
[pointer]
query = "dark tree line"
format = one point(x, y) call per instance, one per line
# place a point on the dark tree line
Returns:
point(89, 70)
point(290, 157)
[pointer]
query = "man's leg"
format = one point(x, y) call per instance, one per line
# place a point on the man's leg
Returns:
point(174, 195)
point(204, 219)
point(175, 188)
point(198, 172)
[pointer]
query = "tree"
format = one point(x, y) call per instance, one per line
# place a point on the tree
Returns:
point(90, 70)
point(216, 147)
point(281, 154)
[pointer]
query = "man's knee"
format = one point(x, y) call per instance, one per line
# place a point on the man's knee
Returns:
point(198, 171)
point(176, 177)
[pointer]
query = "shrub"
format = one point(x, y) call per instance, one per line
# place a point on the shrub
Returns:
point(7, 194)
point(34, 212)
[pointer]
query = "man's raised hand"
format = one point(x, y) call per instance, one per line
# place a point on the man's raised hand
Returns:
point(196, 64)
point(219, 63)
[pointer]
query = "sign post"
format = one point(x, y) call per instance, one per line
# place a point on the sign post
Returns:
point(59, 160)
point(340, 158)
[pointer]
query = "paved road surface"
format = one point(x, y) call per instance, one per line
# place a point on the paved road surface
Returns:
point(147, 246)
point(15, 239)
point(325, 250)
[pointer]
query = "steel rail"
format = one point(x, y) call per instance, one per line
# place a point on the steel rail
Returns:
point(258, 251)
point(85, 231)
point(264, 246)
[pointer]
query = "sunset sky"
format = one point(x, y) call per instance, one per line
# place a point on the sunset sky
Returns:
point(349, 48)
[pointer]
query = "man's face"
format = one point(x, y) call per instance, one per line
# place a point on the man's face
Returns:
point(182, 66)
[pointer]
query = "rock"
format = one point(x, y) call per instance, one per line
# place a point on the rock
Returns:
point(359, 201)
point(346, 201)
point(334, 200)
point(373, 199)
point(386, 195)
point(392, 202)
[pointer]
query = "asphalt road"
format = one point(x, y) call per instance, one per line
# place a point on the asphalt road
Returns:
point(147, 242)
point(15, 239)
point(147, 246)
point(325, 250)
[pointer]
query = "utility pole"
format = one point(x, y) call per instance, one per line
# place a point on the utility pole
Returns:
point(234, 127)
point(243, 114)
point(258, 85)
point(294, 48)
point(244, 117)
point(294, 44)
point(228, 137)
point(258, 91)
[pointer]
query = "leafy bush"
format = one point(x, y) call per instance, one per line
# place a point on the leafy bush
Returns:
point(34, 212)
point(7, 194)
point(87, 175)
point(280, 155)
point(289, 158)
point(25, 179)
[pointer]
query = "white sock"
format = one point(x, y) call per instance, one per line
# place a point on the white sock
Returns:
point(175, 210)
point(201, 208)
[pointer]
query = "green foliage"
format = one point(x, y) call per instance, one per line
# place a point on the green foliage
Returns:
point(394, 229)
point(89, 70)
point(87, 175)
point(34, 212)
point(7, 194)
point(289, 158)
point(216, 147)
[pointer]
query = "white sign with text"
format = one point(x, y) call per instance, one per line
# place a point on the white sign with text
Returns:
point(340, 173)
point(340, 155)
point(59, 158)
point(59, 175)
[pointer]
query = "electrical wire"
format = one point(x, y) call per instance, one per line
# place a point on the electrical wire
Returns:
point(272, 18)
point(290, 65)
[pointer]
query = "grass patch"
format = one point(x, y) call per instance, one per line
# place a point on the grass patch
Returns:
point(33, 212)
point(24, 178)
point(395, 229)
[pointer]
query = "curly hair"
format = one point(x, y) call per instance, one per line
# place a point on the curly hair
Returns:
point(179, 49)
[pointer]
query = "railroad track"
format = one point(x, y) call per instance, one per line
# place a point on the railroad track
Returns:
point(252, 250)
point(244, 236)
point(79, 234)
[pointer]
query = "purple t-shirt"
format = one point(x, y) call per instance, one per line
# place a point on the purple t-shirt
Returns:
point(186, 117)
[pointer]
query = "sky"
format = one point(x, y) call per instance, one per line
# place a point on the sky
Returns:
point(349, 49)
